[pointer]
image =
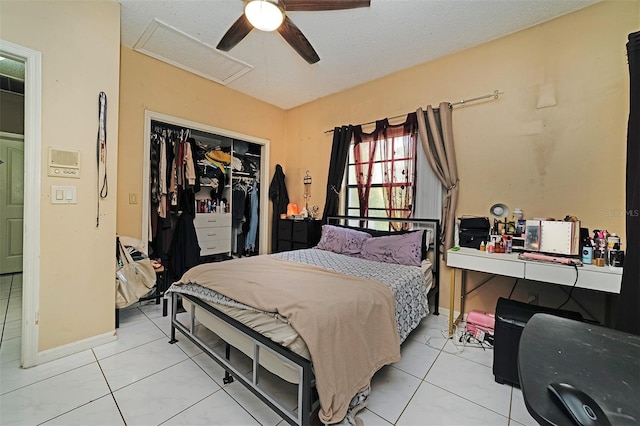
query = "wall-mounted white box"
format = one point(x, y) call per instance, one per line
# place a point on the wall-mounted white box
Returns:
point(64, 163)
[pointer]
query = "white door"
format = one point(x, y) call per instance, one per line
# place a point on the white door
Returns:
point(11, 201)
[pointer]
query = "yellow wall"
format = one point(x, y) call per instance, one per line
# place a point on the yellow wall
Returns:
point(79, 42)
point(149, 84)
point(551, 162)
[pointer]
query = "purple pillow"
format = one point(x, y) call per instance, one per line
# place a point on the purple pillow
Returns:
point(341, 240)
point(404, 249)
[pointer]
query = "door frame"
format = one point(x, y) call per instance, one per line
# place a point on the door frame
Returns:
point(32, 187)
point(146, 170)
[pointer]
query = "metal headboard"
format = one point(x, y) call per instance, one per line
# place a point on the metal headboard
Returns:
point(384, 224)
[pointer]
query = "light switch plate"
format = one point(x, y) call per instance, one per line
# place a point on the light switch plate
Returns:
point(63, 195)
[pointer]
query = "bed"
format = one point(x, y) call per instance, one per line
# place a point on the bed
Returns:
point(286, 309)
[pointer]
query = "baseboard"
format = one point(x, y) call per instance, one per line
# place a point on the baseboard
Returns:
point(75, 347)
point(444, 312)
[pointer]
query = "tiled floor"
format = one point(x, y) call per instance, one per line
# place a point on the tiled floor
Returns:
point(142, 380)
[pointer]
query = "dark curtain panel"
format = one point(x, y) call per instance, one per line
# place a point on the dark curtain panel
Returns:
point(280, 198)
point(339, 152)
point(628, 311)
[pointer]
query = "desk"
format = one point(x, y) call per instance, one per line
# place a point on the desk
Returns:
point(605, 279)
point(603, 363)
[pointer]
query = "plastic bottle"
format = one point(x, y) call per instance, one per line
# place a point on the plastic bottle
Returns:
point(517, 213)
point(587, 255)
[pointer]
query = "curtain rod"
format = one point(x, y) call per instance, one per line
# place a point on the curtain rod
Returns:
point(495, 95)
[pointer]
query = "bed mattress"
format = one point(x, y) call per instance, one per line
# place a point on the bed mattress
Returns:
point(409, 285)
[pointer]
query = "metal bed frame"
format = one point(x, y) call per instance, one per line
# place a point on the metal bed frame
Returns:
point(306, 395)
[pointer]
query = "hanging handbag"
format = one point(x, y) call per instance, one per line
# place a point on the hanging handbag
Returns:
point(134, 279)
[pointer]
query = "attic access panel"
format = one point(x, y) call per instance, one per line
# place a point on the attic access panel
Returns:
point(170, 45)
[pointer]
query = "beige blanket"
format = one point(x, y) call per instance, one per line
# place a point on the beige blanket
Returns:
point(348, 323)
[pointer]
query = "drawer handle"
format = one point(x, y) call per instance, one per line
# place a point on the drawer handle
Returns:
point(211, 235)
point(212, 220)
point(211, 248)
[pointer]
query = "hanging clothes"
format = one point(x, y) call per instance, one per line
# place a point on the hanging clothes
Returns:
point(250, 240)
point(173, 175)
point(238, 200)
point(185, 251)
point(162, 187)
point(280, 198)
point(172, 184)
point(189, 166)
point(154, 164)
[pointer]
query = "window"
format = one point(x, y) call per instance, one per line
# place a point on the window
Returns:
point(382, 177)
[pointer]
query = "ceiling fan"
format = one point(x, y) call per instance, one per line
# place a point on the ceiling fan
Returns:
point(270, 15)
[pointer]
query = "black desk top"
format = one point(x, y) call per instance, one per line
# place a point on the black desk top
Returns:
point(602, 362)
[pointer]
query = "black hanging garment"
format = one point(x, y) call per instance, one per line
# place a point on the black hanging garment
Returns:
point(280, 199)
point(628, 310)
point(185, 251)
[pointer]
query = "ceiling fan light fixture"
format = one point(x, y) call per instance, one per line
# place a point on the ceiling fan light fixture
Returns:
point(265, 15)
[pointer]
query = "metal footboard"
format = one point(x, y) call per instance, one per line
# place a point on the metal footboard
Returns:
point(306, 380)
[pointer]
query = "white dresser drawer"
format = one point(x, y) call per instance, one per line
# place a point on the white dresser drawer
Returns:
point(215, 246)
point(208, 220)
point(213, 233)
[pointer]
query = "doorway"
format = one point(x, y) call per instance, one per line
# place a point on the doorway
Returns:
point(32, 61)
point(11, 164)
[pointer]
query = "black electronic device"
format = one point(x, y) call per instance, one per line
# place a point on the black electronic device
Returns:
point(582, 409)
point(473, 231)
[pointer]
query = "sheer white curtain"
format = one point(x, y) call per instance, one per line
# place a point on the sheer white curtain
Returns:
point(428, 197)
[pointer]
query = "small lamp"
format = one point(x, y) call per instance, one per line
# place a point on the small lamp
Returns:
point(265, 15)
point(292, 209)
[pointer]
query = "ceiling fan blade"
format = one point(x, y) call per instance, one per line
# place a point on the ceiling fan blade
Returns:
point(292, 34)
point(313, 5)
point(235, 34)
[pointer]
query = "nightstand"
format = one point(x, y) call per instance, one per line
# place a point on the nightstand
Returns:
point(298, 234)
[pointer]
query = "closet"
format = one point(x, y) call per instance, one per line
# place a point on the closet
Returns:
point(228, 202)
point(206, 187)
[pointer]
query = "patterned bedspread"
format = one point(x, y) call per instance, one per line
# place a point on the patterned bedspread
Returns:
point(409, 284)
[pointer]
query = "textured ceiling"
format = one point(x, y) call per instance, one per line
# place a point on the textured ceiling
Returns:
point(355, 46)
